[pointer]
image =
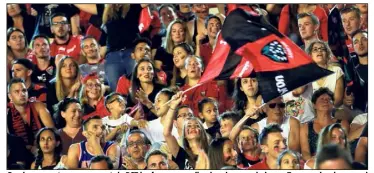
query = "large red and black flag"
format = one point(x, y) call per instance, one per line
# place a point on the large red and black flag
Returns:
point(225, 64)
point(280, 65)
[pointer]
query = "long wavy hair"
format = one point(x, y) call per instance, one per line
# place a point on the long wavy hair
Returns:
point(204, 140)
point(57, 151)
point(135, 82)
point(115, 11)
point(60, 91)
point(176, 72)
point(168, 45)
point(325, 136)
point(215, 153)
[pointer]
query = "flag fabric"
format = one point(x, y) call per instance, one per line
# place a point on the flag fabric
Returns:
point(145, 20)
point(225, 64)
point(280, 65)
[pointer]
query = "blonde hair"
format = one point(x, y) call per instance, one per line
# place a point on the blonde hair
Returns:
point(325, 136)
point(110, 13)
point(60, 91)
point(168, 45)
point(83, 98)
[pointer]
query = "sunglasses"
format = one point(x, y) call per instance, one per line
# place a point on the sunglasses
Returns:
point(280, 105)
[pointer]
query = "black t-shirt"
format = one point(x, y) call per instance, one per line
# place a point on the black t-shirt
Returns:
point(120, 33)
point(181, 159)
point(51, 96)
point(17, 152)
point(244, 162)
point(46, 10)
point(166, 59)
point(365, 131)
point(214, 130)
point(361, 87)
point(44, 76)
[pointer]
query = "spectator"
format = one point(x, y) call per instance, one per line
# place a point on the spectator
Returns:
point(182, 113)
point(208, 112)
point(91, 96)
point(334, 157)
point(45, 65)
point(95, 63)
point(177, 32)
point(118, 122)
point(66, 83)
point(308, 27)
point(137, 145)
point(288, 20)
point(142, 49)
point(321, 55)
point(213, 26)
point(80, 154)
point(356, 128)
point(120, 29)
point(288, 159)
point(360, 84)
point(68, 118)
point(184, 12)
point(180, 53)
point(19, 18)
point(156, 159)
point(222, 153)
point(194, 137)
point(43, 12)
point(227, 120)
point(64, 43)
point(322, 100)
point(351, 18)
point(197, 27)
point(101, 162)
point(272, 144)
point(48, 143)
point(274, 110)
point(16, 46)
point(25, 118)
point(23, 69)
point(247, 141)
point(334, 134)
point(364, 15)
point(154, 128)
point(247, 98)
point(195, 67)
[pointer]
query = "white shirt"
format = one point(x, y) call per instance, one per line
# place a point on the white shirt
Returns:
point(300, 107)
point(111, 124)
point(155, 129)
point(285, 126)
point(360, 119)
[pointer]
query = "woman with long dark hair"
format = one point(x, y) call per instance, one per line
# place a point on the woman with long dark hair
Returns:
point(48, 143)
point(19, 18)
point(180, 53)
point(222, 153)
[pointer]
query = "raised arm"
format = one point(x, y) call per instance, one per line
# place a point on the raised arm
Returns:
point(89, 8)
point(171, 141)
point(236, 129)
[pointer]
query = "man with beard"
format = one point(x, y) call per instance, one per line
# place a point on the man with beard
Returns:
point(272, 144)
point(360, 84)
point(64, 43)
point(275, 111)
point(23, 69)
point(95, 64)
point(137, 145)
point(45, 65)
point(24, 117)
point(213, 26)
point(80, 154)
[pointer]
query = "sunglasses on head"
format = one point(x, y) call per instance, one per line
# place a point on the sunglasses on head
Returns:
point(280, 105)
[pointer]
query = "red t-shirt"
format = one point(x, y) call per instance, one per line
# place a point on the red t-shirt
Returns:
point(260, 165)
point(100, 110)
point(123, 85)
point(209, 89)
point(71, 48)
point(284, 21)
point(206, 52)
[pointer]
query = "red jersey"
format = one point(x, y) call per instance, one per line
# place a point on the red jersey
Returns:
point(260, 165)
point(99, 110)
point(206, 52)
point(71, 48)
point(37, 93)
point(123, 85)
point(209, 89)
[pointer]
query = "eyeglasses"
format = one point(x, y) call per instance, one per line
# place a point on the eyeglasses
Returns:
point(280, 105)
point(90, 86)
point(59, 23)
point(120, 100)
point(321, 49)
point(138, 143)
point(185, 115)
